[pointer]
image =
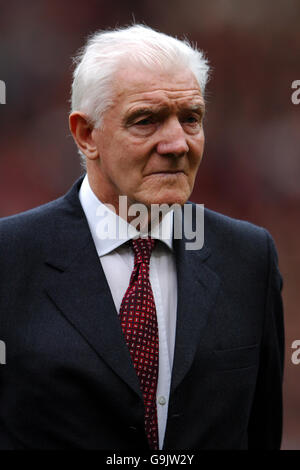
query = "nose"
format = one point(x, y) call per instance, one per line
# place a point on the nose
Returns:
point(172, 139)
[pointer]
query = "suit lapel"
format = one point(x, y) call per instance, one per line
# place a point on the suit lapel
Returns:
point(197, 289)
point(74, 267)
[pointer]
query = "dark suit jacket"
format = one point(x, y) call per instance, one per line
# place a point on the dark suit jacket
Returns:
point(68, 381)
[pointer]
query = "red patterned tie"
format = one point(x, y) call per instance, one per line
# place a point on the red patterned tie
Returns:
point(139, 324)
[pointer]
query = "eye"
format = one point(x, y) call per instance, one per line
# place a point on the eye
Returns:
point(145, 122)
point(191, 120)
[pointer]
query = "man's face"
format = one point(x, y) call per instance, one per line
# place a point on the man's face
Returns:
point(151, 140)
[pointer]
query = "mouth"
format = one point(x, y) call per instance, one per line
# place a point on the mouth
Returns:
point(167, 173)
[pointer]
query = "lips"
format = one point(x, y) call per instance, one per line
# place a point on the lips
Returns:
point(167, 172)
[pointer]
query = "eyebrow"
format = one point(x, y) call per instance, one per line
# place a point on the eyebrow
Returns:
point(130, 117)
point(198, 108)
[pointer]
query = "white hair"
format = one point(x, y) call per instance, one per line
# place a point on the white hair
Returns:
point(98, 60)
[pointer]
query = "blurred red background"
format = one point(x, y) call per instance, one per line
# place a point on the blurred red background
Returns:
point(251, 165)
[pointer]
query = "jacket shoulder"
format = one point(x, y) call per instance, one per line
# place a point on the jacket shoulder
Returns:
point(34, 226)
point(238, 237)
point(29, 223)
point(217, 221)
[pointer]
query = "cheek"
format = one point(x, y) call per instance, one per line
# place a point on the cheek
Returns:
point(126, 166)
point(196, 148)
point(132, 154)
point(114, 155)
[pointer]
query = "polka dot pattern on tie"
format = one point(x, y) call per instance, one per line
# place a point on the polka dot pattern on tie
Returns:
point(139, 325)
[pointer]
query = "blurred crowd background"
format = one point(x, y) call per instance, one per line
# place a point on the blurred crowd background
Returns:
point(251, 165)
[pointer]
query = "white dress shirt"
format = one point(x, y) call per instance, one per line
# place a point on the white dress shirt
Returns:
point(117, 262)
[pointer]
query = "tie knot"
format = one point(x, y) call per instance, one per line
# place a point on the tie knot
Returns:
point(142, 248)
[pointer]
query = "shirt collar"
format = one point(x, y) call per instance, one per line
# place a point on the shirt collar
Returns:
point(101, 220)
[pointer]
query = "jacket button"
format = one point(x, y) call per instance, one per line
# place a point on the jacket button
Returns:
point(162, 400)
point(132, 429)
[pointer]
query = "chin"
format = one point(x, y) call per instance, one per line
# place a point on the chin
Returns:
point(169, 198)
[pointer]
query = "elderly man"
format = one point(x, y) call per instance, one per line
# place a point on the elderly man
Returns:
point(137, 342)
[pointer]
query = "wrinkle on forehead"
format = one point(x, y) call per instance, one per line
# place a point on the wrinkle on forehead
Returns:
point(166, 92)
point(163, 100)
point(129, 83)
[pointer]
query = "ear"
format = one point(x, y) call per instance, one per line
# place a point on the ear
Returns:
point(82, 131)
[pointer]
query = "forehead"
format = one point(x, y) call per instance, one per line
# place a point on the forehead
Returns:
point(134, 86)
